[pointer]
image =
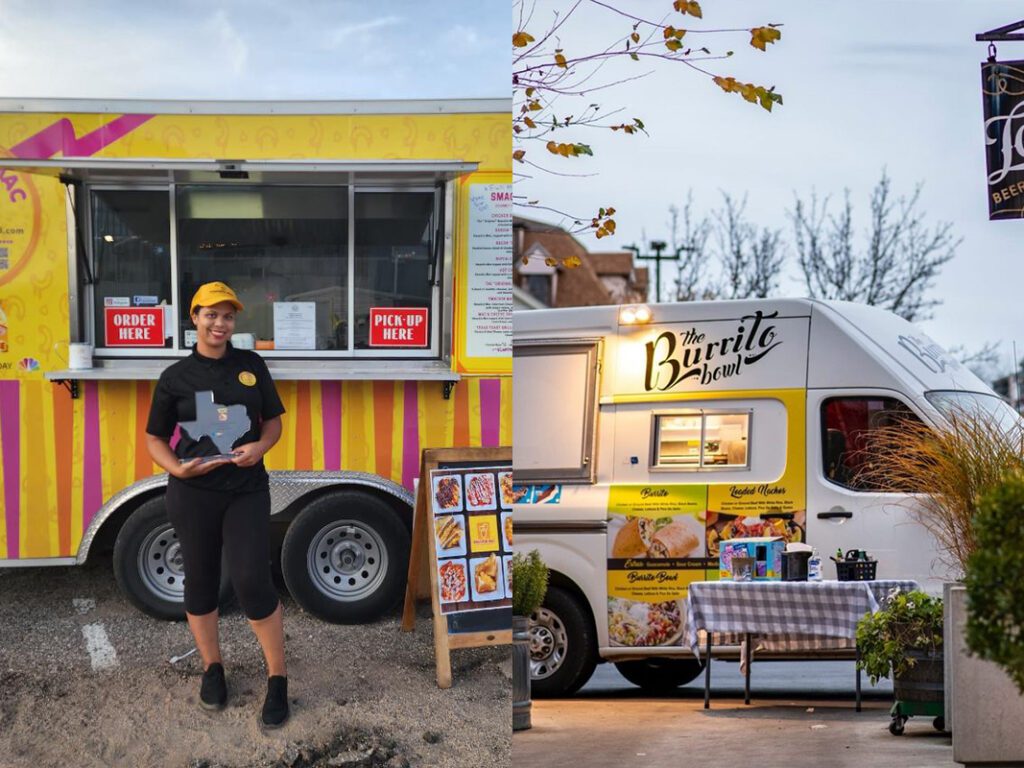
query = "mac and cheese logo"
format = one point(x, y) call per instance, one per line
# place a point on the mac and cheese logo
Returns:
point(677, 356)
point(20, 216)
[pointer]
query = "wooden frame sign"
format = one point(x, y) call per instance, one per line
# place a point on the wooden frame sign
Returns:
point(462, 529)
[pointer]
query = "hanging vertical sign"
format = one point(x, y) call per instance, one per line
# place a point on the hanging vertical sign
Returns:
point(1002, 88)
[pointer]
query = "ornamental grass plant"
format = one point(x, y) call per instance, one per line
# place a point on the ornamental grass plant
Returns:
point(951, 467)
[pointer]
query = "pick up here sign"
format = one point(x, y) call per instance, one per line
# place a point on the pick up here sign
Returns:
point(1002, 88)
point(134, 326)
point(398, 327)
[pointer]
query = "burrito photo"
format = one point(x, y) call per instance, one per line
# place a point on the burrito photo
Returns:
point(633, 538)
point(673, 540)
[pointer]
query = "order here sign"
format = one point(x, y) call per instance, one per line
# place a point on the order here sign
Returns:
point(134, 326)
point(398, 327)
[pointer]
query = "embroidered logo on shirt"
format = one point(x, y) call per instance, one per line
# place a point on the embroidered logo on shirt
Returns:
point(247, 378)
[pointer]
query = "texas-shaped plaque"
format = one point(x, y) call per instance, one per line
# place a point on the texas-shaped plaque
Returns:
point(223, 424)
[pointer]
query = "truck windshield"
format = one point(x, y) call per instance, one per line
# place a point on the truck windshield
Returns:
point(952, 402)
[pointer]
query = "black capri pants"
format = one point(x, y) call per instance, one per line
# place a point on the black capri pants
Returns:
point(206, 520)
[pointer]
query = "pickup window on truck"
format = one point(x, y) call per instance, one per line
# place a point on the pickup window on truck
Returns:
point(702, 440)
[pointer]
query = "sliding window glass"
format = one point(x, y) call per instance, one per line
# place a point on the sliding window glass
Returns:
point(131, 268)
point(701, 441)
point(284, 250)
point(395, 233)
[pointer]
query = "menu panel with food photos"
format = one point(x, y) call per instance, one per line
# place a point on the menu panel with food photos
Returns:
point(472, 537)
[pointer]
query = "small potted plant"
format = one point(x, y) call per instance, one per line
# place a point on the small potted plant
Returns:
point(904, 639)
point(529, 585)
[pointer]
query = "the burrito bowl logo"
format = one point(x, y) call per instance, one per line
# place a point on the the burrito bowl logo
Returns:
point(28, 364)
point(677, 356)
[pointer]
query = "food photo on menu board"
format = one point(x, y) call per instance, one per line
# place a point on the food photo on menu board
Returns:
point(472, 538)
point(508, 495)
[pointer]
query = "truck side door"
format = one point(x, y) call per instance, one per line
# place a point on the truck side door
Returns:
point(846, 510)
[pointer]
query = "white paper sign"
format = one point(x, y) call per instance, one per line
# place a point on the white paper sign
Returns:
point(294, 325)
point(489, 283)
point(169, 319)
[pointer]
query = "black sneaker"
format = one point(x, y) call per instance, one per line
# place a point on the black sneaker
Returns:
point(275, 706)
point(213, 694)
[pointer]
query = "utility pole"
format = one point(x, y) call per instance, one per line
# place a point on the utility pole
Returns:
point(658, 246)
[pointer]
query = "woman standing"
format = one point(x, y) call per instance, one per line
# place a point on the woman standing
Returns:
point(218, 492)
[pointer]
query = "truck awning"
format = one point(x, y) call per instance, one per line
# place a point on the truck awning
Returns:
point(192, 171)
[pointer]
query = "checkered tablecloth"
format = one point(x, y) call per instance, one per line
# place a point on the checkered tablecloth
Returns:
point(784, 615)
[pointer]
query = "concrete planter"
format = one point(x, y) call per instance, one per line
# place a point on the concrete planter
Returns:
point(986, 711)
point(521, 704)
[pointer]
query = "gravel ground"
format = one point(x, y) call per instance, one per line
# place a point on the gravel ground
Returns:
point(361, 695)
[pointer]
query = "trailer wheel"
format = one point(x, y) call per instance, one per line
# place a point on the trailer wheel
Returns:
point(660, 676)
point(563, 648)
point(149, 566)
point(345, 557)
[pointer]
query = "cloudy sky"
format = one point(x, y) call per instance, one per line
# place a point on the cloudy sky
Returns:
point(255, 49)
point(867, 85)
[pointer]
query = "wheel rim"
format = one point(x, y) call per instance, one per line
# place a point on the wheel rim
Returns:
point(161, 564)
point(548, 643)
point(347, 560)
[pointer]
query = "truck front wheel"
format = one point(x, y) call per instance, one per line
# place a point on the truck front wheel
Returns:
point(563, 648)
point(345, 557)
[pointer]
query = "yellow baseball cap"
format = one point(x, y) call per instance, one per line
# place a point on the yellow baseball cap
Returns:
point(214, 293)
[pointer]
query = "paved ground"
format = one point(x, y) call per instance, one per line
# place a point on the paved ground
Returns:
point(86, 680)
point(801, 714)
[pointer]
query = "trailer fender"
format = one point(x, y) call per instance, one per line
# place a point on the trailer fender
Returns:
point(288, 490)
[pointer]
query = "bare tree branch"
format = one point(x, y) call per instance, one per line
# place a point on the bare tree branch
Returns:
point(692, 281)
point(895, 266)
point(751, 260)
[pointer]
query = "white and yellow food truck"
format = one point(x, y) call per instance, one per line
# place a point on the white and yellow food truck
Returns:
point(646, 435)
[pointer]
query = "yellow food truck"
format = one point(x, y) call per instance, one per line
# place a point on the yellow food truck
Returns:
point(371, 245)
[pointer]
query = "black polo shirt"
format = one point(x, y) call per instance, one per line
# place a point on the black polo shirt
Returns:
point(240, 377)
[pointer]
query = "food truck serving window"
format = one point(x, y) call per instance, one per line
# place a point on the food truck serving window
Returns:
point(701, 440)
point(326, 271)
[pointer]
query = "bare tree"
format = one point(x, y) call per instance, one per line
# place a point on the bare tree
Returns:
point(894, 267)
point(692, 281)
point(983, 362)
point(751, 260)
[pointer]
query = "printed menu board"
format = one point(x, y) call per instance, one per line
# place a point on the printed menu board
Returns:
point(656, 548)
point(472, 537)
point(489, 301)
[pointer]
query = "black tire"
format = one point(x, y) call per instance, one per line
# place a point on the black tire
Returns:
point(660, 676)
point(361, 549)
point(563, 645)
point(896, 726)
point(939, 723)
point(155, 590)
